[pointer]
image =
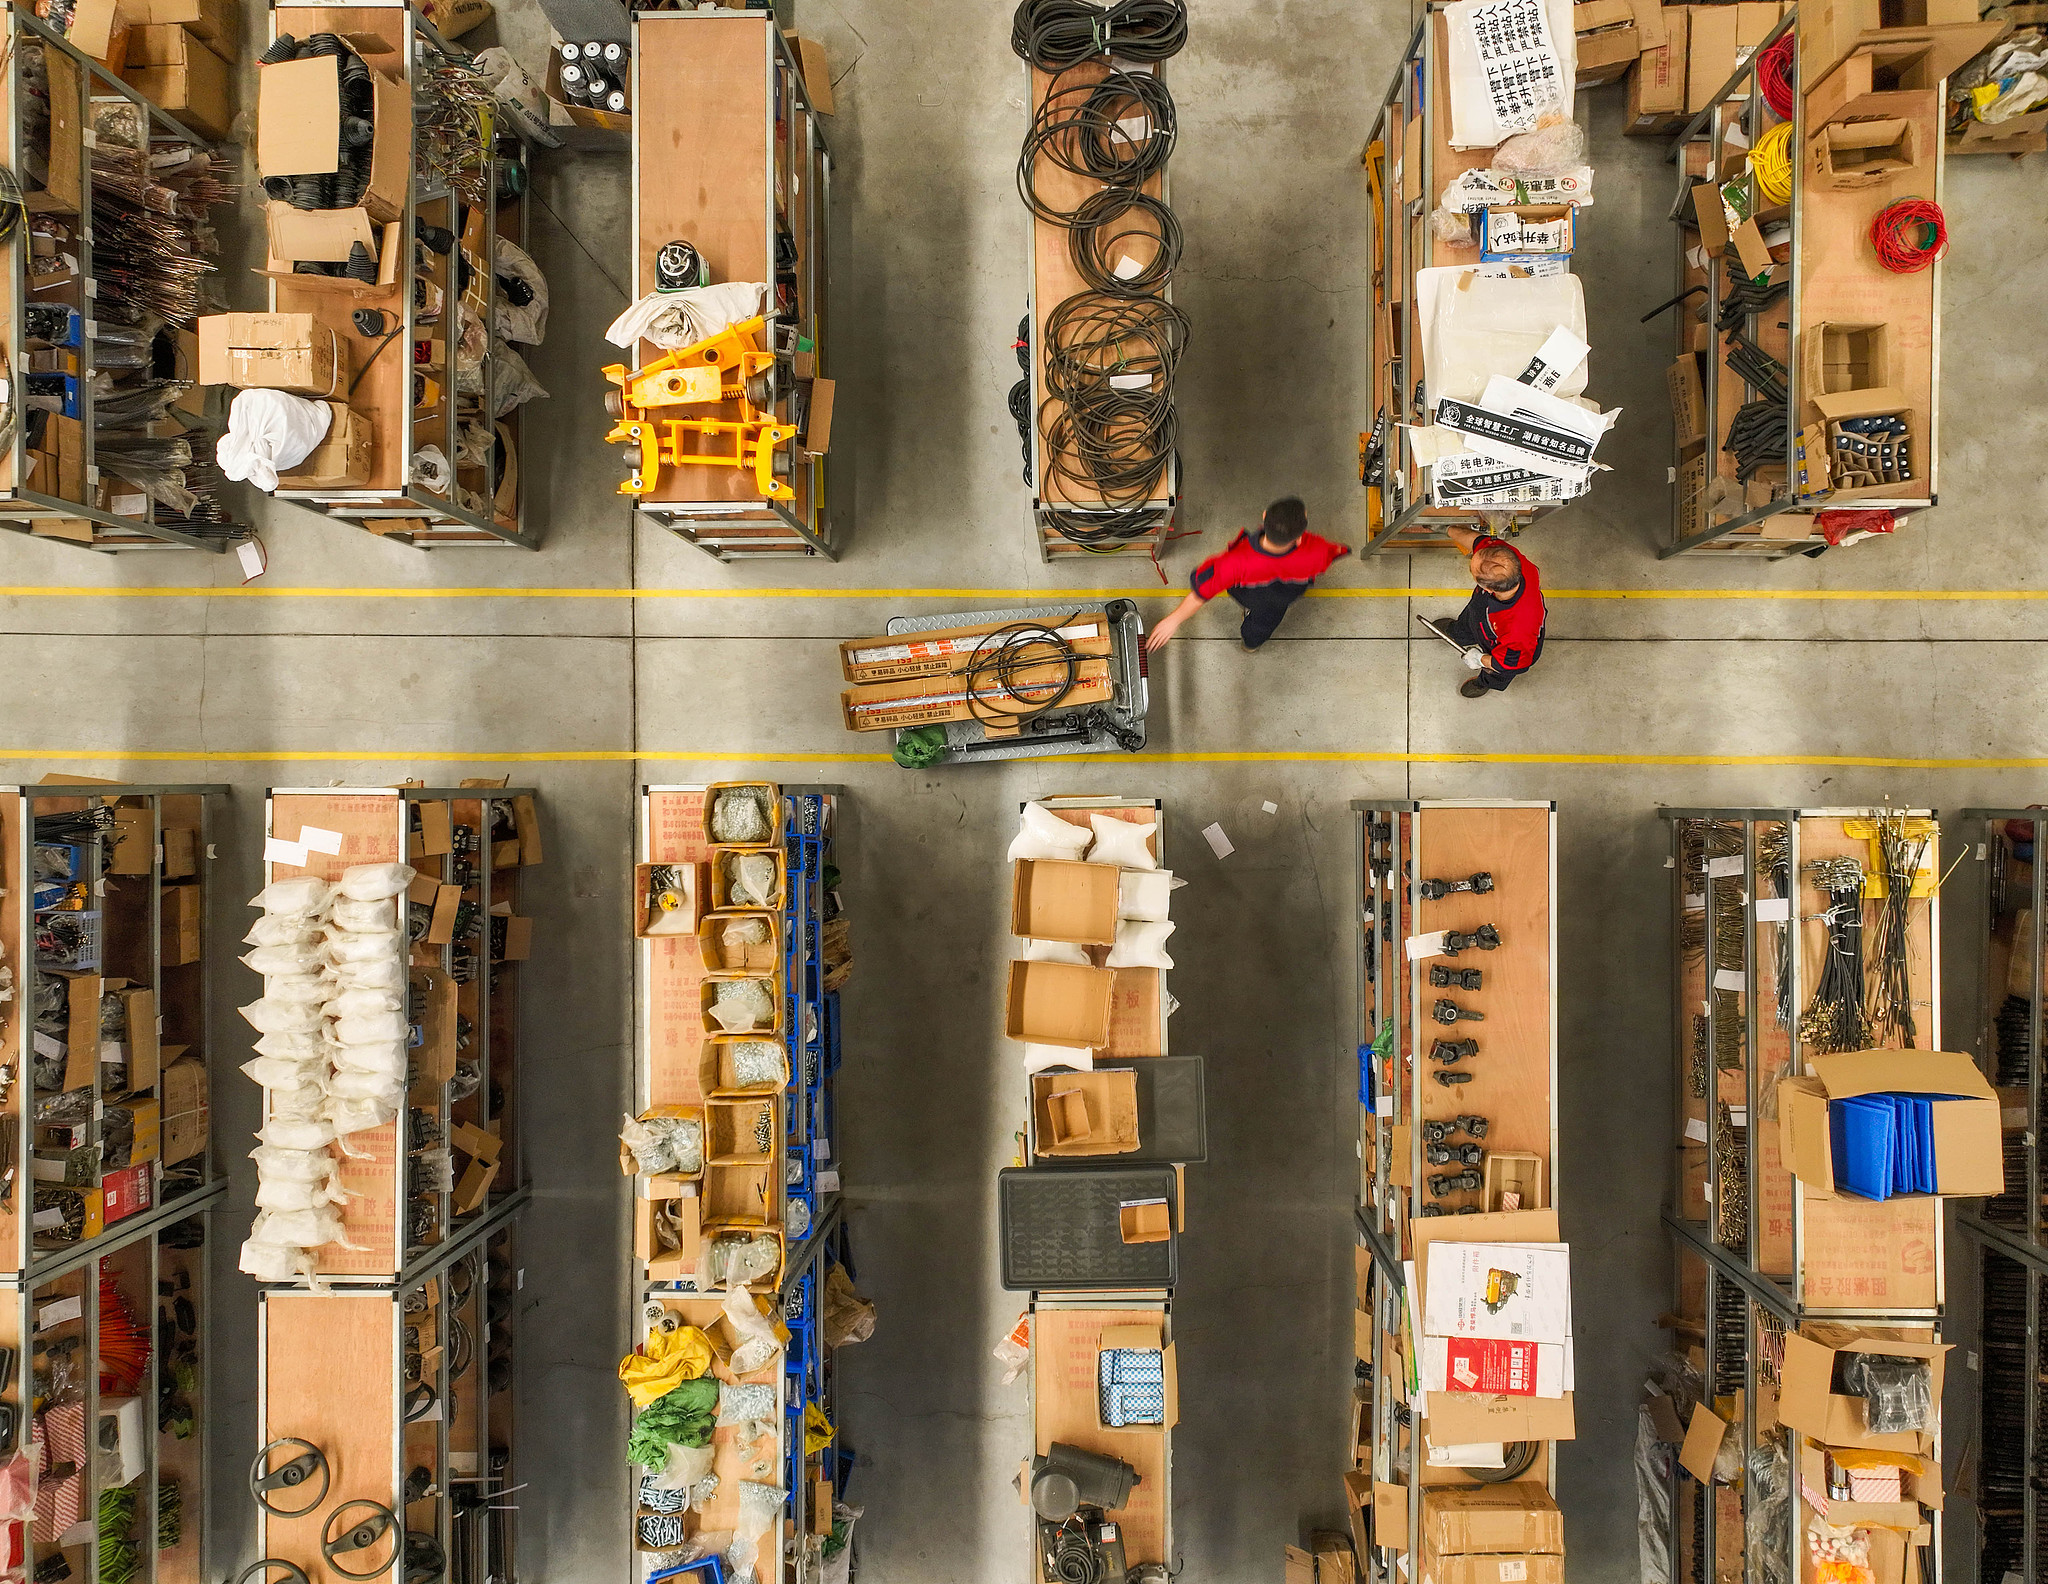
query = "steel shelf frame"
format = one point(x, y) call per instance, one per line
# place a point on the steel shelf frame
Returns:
point(21, 506)
point(1995, 1240)
point(712, 525)
point(449, 523)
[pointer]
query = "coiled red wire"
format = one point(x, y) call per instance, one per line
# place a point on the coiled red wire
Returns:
point(1774, 76)
point(1909, 235)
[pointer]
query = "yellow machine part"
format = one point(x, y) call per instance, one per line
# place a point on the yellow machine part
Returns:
point(706, 373)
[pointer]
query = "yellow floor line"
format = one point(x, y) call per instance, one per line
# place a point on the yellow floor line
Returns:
point(698, 756)
point(1043, 596)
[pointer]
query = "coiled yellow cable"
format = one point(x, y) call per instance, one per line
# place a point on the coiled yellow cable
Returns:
point(1771, 161)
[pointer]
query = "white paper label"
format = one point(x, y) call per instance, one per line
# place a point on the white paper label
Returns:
point(1513, 1571)
point(315, 838)
point(1126, 267)
point(48, 1045)
point(1270, 808)
point(1219, 844)
point(58, 1311)
point(1383, 1105)
point(1696, 1130)
point(1130, 382)
point(284, 852)
point(1420, 946)
point(1730, 979)
point(250, 554)
point(1137, 128)
point(48, 1220)
point(46, 1170)
point(1696, 902)
point(1724, 868)
point(1773, 910)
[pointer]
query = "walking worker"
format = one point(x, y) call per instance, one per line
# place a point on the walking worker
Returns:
point(1265, 572)
point(1501, 627)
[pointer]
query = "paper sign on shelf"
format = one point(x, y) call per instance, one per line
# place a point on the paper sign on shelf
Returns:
point(1773, 910)
point(284, 852)
point(1696, 1129)
point(1420, 946)
point(1730, 979)
point(315, 838)
point(1724, 868)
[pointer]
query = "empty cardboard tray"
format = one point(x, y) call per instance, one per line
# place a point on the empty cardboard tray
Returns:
point(1060, 1229)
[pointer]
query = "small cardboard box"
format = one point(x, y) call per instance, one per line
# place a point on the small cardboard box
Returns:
point(1688, 401)
point(218, 22)
point(1606, 55)
point(101, 29)
point(1518, 1517)
point(1145, 1220)
point(474, 1184)
point(1917, 1488)
point(132, 842)
point(1528, 231)
point(1808, 1402)
point(628, 1168)
point(1143, 1336)
point(186, 1108)
point(770, 1281)
point(742, 1131)
point(341, 461)
point(1836, 357)
point(778, 815)
point(585, 115)
point(1513, 1172)
point(752, 960)
point(1052, 899)
point(737, 1192)
point(713, 1029)
point(138, 1006)
point(182, 76)
point(1830, 29)
point(262, 351)
point(1081, 1114)
point(683, 1214)
point(1059, 1004)
point(298, 132)
point(1846, 155)
point(724, 859)
point(1656, 88)
point(690, 885)
point(128, 1190)
point(1967, 1145)
point(715, 1070)
point(180, 852)
point(1885, 401)
point(1897, 74)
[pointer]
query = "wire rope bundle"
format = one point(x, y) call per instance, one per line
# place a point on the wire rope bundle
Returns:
point(1118, 130)
point(1054, 34)
point(1114, 443)
point(1909, 235)
point(1101, 530)
point(1775, 74)
point(1103, 232)
point(1001, 687)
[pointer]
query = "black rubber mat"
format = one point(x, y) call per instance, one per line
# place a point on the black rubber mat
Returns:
point(1060, 1229)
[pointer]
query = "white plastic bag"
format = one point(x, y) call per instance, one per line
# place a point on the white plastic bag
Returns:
point(374, 973)
point(358, 1115)
point(291, 1165)
point(755, 1344)
point(1145, 894)
point(361, 945)
point(275, 1072)
point(293, 1047)
point(270, 432)
point(375, 1028)
point(374, 882)
point(672, 320)
point(1043, 834)
point(302, 990)
point(285, 1134)
point(282, 929)
point(301, 894)
point(1140, 946)
point(277, 1017)
point(381, 914)
point(1122, 842)
point(377, 1056)
point(354, 1083)
point(362, 1004)
point(1055, 952)
point(528, 324)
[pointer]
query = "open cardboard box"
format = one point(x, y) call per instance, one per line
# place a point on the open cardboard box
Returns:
point(1144, 1336)
point(715, 1075)
point(926, 701)
point(299, 118)
point(1884, 401)
point(1082, 1114)
point(1145, 1220)
point(747, 1227)
point(343, 460)
point(735, 1125)
point(1808, 1403)
point(1837, 357)
point(1528, 230)
point(1898, 74)
point(1519, 1517)
point(1846, 155)
point(713, 1029)
point(1607, 40)
point(627, 1167)
point(683, 1213)
point(778, 816)
point(1968, 1151)
point(755, 960)
point(692, 886)
point(1059, 1004)
point(1831, 29)
point(1919, 1485)
point(737, 1193)
point(1512, 1171)
point(721, 878)
point(1053, 899)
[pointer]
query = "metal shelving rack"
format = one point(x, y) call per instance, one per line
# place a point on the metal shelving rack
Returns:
point(122, 875)
point(53, 1319)
point(1413, 117)
point(76, 83)
point(2012, 1404)
point(1398, 846)
point(805, 1176)
point(408, 1390)
point(733, 168)
point(395, 504)
point(488, 829)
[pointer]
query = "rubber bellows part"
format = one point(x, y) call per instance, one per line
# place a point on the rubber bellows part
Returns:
point(361, 266)
point(286, 48)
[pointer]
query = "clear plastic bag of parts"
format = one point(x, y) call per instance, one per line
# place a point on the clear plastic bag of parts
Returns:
point(686, 1468)
point(665, 1144)
point(1897, 1393)
point(739, 1004)
point(756, 1343)
point(1653, 1500)
point(759, 1506)
point(1770, 1492)
point(736, 1258)
point(749, 1405)
point(740, 814)
point(750, 879)
point(757, 1061)
point(736, 935)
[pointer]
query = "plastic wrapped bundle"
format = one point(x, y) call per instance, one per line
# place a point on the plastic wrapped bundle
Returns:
point(732, 1259)
point(739, 1004)
point(740, 814)
point(736, 935)
point(665, 1144)
point(759, 1062)
point(750, 880)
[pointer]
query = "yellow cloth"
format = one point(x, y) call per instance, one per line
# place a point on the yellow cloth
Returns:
point(671, 1357)
point(818, 1431)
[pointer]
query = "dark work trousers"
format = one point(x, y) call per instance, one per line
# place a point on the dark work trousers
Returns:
point(1466, 629)
point(1265, 604)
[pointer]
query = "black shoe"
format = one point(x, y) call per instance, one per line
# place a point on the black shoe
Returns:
point(1474, 687)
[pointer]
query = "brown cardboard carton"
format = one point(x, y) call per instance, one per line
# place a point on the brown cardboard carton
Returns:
point(1657, 87)
point(1808, 1403)
point(1488, 1567)
point(100, 28)
point(1145, 1220)
point(778, 815)
point(186, 1109)
point(217, 21)
point(1919, 1486)
point(1516, 1172)
point(342, 460)
point(742, 959)
point(688, 884)
point(627, 1166)
point(882, 706)
point(1688, 398)
point(1608, 41)
point(724, 862)
point(298, 129)
point(262, 351)
point(713, 1028)
point(147, 1119)
point(1830, 29)
point(1518, 1517)
point(474, 1183)
point(817, 433)
point(1059, 1004)
point(1968, 1151)
point(180, 852)
point(1835, 357)
point(132, 846)
point(184, 78)
point(735, 1130)
point(1052, 899)
point(817, 73)
point(138, 1006)
point(1389, 1506)
point(1845, 155)
point(1710, 54)
point(682, 1216)
point(1863, 1254)
point(1080, 1114)
point(1144, 1336)
point(1891, 73)
point(179, 924)
point(1870, 403)
point(584, 115)
point(1703, 1438)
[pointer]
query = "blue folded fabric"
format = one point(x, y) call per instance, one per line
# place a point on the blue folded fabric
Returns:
point(1883, 1144)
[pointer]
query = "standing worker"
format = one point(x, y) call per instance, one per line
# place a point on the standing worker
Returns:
point(1265, 572)
point(1501, 627)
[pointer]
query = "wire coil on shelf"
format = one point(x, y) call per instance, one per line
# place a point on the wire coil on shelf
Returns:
point(1771, 160)
point(1096, 341)
point(1054, 34)
point(1105, 229)
point(1775, 70)
point(1909, 235)
point(1118, 129)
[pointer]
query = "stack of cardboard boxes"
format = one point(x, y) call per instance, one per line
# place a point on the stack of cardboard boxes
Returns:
point(178, 54)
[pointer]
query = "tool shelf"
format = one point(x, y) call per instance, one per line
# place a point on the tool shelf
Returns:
point(408, 1389)
point(484, 505)
point(468, 846)
point(728, 153)
point(103, 1133)
point(62, 492)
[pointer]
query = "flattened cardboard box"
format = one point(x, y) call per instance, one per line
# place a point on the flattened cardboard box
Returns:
point(882, 706)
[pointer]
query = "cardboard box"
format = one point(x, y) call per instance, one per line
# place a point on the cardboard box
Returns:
point(128, 1190)
point(1846, 155)
point(342, 460)
point(817, 73)
point(628, 1168)
point(682, 1214)
point(474, 1183)
point(1513, 1171)
point(1918, 1487)
point(584, 115)
point(1897, 74)
point(218, 22)
point(1145, 1336)
point(262, 351)
point(1528, 231)
point(1145, 1220)
point(817, 416)
point(298, 132)
point(1721, 38)
point(1518, 1517)
point(1884, 401)
point(1059, 1004)
point(184, 78)
point(1082, 1114)
point(947, 650)
point(691, 889)
point(1830, 29)
point(1607, 56)
point(187, 1108)
point(1052, 899)
point(1656, 88)
point(735, 1130)
point(180, 851)
point(778, 816)
point(713, 1028)
point(715, 1075)
point(754, 960)
point(146, 1120)
point(1836, 357)
point(1703, 1438)
point(1688, 401)
point(1388, 1504)
point(1492, 1568)
point(1808, 1403)
point(100, 28)
point(722, 861)
point(884, 706)
point(769, 1282)
point(1968, 1150)
point(138, 1006)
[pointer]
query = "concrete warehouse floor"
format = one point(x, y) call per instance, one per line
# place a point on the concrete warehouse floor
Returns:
point(1806, 682)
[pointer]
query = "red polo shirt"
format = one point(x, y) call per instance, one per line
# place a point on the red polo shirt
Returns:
point(1514, 625)
point(1244, 564)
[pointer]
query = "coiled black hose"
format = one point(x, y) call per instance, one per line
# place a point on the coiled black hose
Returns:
point(1118, 129)
point(1054, 34)
point(1111, 232)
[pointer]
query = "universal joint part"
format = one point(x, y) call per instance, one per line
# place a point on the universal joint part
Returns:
point(1453, 978)
point(1448, 1011)
point(1447, 1078)
point(1437, 890)
point(1446, 1154)
point(1471, 1126)
point(1449, 1051)
point(1466, 1181)
point(1486, 938)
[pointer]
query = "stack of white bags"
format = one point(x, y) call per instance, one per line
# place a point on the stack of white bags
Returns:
point(332, 1057)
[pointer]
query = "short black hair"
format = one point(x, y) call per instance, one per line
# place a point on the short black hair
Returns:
point(1286, 520)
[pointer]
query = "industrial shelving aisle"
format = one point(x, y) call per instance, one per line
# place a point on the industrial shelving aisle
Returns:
point(2009, 1233)
point(794, 1192)
point(1409, 162)
point(467, 846)
point(1401, 849)
point(730, 157)
point(411, 394)
point(386, 1418)
point(68, 315)
point(1765, 1267)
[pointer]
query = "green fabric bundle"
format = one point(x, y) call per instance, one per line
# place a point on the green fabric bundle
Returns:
point(683, 1417)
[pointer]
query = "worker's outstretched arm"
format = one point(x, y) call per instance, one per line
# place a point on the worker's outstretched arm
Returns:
point(1463, 538)
point(1156, 639)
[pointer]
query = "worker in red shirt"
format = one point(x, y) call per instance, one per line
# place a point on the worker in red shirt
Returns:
point(1501, 627)
point(1265, 572)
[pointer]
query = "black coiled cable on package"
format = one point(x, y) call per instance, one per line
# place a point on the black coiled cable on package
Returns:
point(1054, 34)
point(1118, 130)
point(1124, 243)
point(1001, 687)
